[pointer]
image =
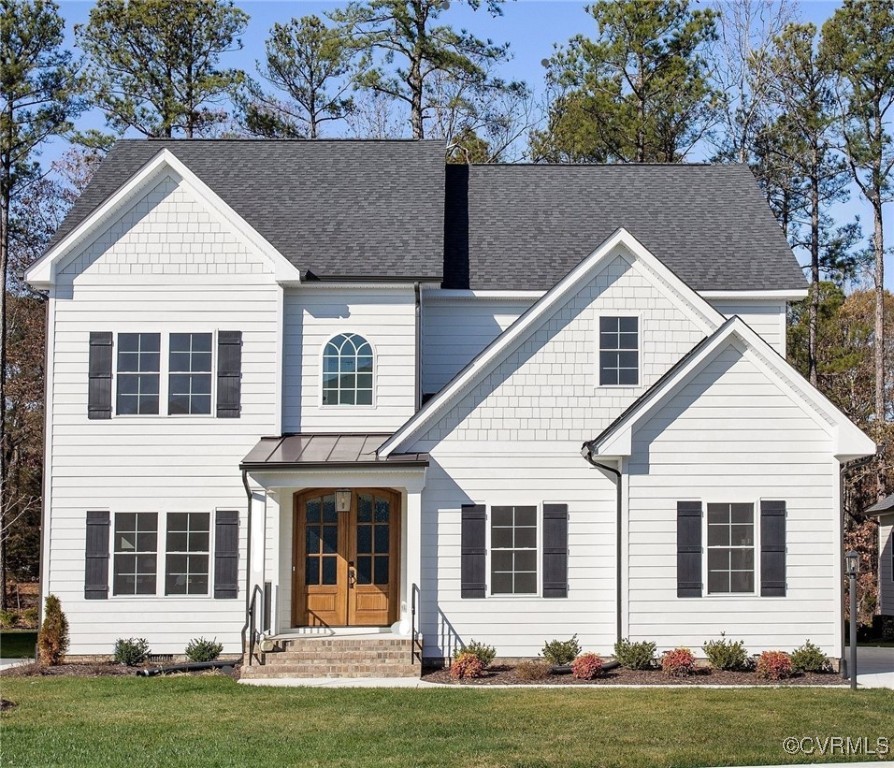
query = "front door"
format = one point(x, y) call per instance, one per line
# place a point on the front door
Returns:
point(346, 562)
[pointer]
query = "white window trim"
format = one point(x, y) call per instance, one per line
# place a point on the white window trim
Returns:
point(375, 374)
point(756, 507)
point(598, 385)
point(489, 594)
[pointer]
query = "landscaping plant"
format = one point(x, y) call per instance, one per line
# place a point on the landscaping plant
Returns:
point(485, 653)
point(726, 654)
point(774, 665)
point(809, 658)
point(678, 663)
point(200, 649)
point(635, 655)
point(8, 619)
point(561, 652)
point(466, 665)
point(29, 617)
point(533, 669)
point(52, 640)
point(131, 651)
point(587, 666)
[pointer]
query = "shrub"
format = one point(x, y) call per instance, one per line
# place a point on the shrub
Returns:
point(466, 665)
point(131, 651)
point(725, 654)
point(8, 619)
point(29, 617)
point(678, 663)
point(52, 640)
point(533, 669)
point(774, 665)
point(200, 649)
point(561, 652)
point(484, 653)
point(635, 655)
point(809, 658)
point(587, 666)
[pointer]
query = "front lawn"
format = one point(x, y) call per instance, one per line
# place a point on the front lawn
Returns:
point(17, 644)
point(212, 721)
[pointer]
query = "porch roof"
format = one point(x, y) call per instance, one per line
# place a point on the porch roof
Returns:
point(326, 450)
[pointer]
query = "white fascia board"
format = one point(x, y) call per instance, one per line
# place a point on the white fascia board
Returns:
point(411, 479)
point(435, 295)
point(791, 294)
point(547, 303)
point(42, 274)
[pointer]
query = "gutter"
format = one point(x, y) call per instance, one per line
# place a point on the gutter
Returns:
point(585, 452)
point(244, 631)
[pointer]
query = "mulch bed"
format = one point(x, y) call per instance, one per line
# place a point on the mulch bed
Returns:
point(100, 669)
point(504, 674)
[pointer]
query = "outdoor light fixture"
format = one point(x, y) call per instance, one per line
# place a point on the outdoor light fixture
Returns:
point(852, 561)
point(343, 500)
point(852, 568)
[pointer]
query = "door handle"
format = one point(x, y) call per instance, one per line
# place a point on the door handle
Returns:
point(352, 575)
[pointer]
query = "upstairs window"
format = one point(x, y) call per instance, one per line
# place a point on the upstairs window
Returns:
point(139, 361)
point(618, 351)
point(189, 378)
point(347, 371)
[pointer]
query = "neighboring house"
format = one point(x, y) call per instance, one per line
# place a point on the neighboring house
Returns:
point(339, 382)
point(884, 511)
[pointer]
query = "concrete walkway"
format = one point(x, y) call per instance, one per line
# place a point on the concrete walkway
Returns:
point(875, 667)
point(6, 663)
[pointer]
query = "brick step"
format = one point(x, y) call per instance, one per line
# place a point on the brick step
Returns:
point(345, 645)
point(330, 657)
point(330, 670)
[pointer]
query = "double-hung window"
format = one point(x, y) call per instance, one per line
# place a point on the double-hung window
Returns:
point(189, 373)
point(139, 361)
point(618, 351)
point(513, 541)
point(730, 548)
point(135, 555)
point(188, 548)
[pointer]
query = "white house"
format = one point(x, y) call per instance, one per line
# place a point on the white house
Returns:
point(884, 511)
point(336, 389)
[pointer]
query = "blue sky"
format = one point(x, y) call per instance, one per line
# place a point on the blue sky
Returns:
point(531, 27)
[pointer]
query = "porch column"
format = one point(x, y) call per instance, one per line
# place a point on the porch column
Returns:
point(414, 558)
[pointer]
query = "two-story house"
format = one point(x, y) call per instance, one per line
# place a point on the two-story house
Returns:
point(308, 389)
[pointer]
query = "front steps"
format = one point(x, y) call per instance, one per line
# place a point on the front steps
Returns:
point(342, 656)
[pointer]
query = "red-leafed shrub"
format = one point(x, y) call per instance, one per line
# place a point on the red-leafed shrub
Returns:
point(678, 663)
point(466, 665)
point(774, 665)
point(587, 666)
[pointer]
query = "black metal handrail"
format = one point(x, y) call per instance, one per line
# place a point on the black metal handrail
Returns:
point(253, 634)
point(415, 634)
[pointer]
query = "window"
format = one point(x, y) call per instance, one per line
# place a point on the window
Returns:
point(136, 546)
point(188, 547)
point(730, 548)
point(618, 351)
point(347, 371)
point(513, 541)
point(189, 379)
point(139, 359)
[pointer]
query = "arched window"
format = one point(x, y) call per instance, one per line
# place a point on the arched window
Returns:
point(347, 371)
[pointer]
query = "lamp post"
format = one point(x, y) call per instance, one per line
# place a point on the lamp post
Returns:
point(852, 568)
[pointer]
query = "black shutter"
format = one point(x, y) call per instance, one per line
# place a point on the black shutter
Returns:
point(772, 549)
point(229, 374)
point(474, 553)
point(555, 550)
point(226, 554)
point(96, 564)
point(99, 387)
point(689, 549)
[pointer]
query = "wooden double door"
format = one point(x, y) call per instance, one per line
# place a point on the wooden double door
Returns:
point(347, 558)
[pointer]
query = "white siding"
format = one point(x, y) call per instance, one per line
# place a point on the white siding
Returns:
point(765, 317)
point(384, 317)
point(732, 435)
point(886, 565)
point(167, 265)
point(455, 330)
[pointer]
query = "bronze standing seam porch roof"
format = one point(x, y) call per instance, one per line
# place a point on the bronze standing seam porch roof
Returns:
point(326, 451)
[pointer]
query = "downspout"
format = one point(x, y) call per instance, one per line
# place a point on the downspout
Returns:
point(585, 452)
point(418, 357)
point(245, 626)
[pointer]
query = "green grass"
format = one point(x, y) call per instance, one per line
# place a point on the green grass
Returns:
point(212, 721)
point(17, 644)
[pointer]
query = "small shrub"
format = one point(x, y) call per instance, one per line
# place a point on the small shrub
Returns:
point(635, 655)
point(533, 669)
point(774, 665)
point(200, 649)
point(726, 654)
point(52, 640)
point(678, 663)
point(131, 651)
point(485, 653)
point(587, 666)
point(561, 652)
point(809, 658)
point(29, 617)
point(8, 619)
point(466, 665)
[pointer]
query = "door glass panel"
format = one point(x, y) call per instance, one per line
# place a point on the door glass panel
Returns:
point(364, 570)
point(364, 539)
point(329, 513)
point(364, 508)
point(312, 537)
point(330, 575)
point(382, 510)
point(381, 574)
point(313, 511)
point(330, 539)
point(382, 538)
point(312, 570)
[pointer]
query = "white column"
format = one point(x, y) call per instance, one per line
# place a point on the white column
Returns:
point(413, 545)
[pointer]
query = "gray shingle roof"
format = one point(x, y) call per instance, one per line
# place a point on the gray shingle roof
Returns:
point(526, 226)
point(333, 208)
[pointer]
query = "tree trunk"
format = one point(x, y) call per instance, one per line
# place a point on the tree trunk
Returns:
point(4, 464)
point(878, 245)
point(415, 82)
point(813, 312)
